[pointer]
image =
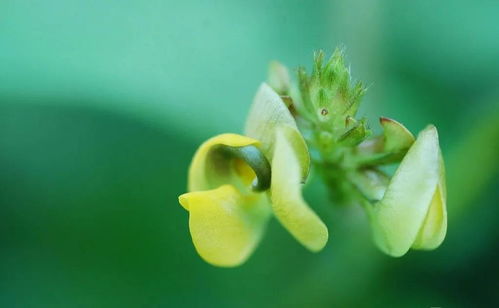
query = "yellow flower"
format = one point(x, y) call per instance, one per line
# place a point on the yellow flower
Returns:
point(227, 212)
point(412, 212)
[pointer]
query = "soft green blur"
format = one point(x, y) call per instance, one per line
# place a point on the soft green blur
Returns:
point(103, 103)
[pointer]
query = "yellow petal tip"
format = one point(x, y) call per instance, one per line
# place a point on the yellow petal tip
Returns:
point(183, 200)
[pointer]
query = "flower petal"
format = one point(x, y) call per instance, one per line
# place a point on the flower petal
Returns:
point(225, 225)
point(287, 201)
point(267, 113)
point(398, 217)
point(278, 78)
point(434, 227)
point(209, 170)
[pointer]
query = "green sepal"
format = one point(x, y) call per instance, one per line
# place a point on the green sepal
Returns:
point(397, 138)
point(388, 148)
point(355, 135)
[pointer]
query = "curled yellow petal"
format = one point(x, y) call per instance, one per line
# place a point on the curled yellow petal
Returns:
point(209, 170)
point(287, 201)
point(398, 218)
point(225, 225)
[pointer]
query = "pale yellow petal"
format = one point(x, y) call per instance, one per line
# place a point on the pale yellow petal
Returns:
point(278, 77)
point(267, 113)
point(398, 217)
point(208, 170)
point(434, 228)
point(299, 146)
point(287, 201)
point(225, 225)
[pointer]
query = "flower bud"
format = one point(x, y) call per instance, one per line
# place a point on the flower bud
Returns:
point(327, 93)
point(412, 212)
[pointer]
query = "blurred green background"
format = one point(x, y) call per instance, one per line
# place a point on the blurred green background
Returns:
point(103, 103)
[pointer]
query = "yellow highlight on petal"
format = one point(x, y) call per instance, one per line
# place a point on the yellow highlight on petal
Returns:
point(244, 171)
point(225, 225)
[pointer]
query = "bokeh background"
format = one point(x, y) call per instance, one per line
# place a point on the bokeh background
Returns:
point(103, 103)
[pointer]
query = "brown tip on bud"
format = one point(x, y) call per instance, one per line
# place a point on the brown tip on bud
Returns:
point(288, 101)
point(324, 111)
point(383, 120)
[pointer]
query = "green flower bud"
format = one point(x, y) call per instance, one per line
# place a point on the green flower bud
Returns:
point(327, 93)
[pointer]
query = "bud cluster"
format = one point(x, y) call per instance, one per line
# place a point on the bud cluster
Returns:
point(325, 103)
point(238, 182)
point(407, 209)
point(330, 101)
